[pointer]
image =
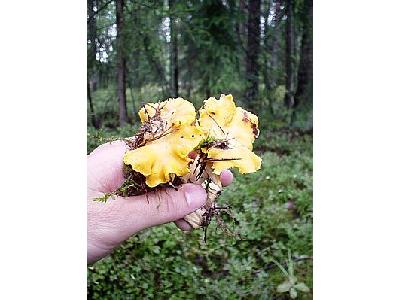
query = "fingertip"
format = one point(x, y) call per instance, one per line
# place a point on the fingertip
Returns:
point(226, 177)
point(183, 225)
point(195, 195)
point(192, 154)
point(117, 145)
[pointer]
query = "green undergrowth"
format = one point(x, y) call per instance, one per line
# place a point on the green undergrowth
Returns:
point(273, 212)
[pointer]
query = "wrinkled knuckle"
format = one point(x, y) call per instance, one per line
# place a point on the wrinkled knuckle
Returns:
point(176, 205)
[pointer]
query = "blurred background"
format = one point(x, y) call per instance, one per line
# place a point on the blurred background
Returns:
point(260, 51)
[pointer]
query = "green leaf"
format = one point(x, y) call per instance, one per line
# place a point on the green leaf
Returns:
point(301, 286)
point(290, 264)
point(293, 293)
point(280, 267)
point(284, 287)
point(292, 279)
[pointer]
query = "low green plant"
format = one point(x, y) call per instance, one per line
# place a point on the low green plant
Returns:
point(273, 215)
point(291, 285)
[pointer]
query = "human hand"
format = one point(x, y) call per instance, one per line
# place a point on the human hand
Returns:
point(111, 223)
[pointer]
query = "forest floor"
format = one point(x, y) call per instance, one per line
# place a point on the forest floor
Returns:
point(273, 209)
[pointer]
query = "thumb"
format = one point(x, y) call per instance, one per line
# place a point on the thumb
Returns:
point(113, 222)
point(161, 207)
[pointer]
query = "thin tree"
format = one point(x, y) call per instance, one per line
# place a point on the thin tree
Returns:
point(265, 69)
point(305, 72)
point(91, 4)
point(121, 63)
point(253, 49)
point(91, 56)
point(273, 35)
point(242, 19)
point(289, 96)
point(91, 108)
point(189, 57)
point(136, 42)
point(174, 68)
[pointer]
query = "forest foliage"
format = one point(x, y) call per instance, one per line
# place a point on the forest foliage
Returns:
point(259, 51)
point(273, 215)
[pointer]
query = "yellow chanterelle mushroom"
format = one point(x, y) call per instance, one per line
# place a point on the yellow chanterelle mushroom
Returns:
point(221, 138)
point(167, 154)
point(223, 121)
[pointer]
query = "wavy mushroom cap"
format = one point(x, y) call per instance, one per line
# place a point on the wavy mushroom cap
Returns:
point(177, 112)
point(222, 120)
point(167, 154)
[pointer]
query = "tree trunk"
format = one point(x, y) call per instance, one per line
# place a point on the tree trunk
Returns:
point(91, 35)
point(253, 49)
point(121, 64)
point(91, 61)
point(189, 82)
point(135, 59)
point(190, 56)
point(240, 31)
point(267, 36)
point(91, 108)
point(273, 36)
point(174, 68)
point(207, 85)
point(289, 96)
point(242, 22)
point(305, 72)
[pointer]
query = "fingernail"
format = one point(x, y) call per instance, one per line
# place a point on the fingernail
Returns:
point(195, 195)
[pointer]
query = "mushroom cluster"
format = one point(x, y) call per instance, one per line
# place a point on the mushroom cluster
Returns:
point(174, 147)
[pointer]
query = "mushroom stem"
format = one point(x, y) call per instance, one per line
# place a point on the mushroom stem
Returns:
point(210, 181)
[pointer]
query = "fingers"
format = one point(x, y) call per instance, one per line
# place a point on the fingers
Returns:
point(105, 165)
point(136, 213)
point(183, 225)
point(226, 177)
point(108, 146)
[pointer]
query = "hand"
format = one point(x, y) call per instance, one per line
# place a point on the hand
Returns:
point(111, 223)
